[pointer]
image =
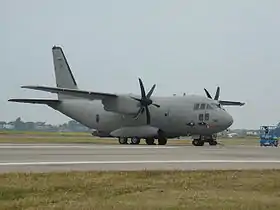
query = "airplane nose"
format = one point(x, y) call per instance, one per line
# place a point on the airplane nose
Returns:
point(228, 120)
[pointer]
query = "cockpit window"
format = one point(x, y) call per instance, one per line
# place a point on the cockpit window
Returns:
point(209, 106)
point(196, 107)
point(202, 106)
point(217, 106)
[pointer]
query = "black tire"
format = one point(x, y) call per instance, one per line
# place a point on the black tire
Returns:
point(213, 143)
point(162, 141)
point(201, 143)
point(135, 140)
point(122, 140)
point(150, 141)
point(197, 142)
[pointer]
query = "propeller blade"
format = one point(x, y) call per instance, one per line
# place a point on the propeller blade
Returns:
point(143, 93)
point(156, 105)
point(207, 93)
point(138, 113)
point(137, 99)
point(151, 91)
point(217, 93)
point(231, 103)
point(148, 115)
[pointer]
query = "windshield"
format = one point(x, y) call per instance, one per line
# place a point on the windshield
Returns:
point(216, 106)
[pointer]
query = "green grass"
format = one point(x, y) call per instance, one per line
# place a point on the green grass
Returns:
point(196, 190)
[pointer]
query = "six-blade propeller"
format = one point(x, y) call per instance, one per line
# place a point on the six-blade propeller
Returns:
point(145, 101)
point(222, 102)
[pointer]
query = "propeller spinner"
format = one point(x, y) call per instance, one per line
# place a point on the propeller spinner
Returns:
point(145, 101)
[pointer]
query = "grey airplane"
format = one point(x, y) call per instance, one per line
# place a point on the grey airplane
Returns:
point(131, 117)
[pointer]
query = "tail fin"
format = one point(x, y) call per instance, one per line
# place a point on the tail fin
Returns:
point(63, 74)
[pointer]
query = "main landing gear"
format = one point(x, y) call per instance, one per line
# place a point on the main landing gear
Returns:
point(202, 139)
point(133, 140)
point(136, 140)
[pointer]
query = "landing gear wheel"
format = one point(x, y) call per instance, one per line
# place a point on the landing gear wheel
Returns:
point(150, 141)
point(162, 141)
point(135, 140)
point(197, 142)
point(213, 143)
point(122, 140)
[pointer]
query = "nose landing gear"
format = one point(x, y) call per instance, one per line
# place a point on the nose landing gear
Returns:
point(202, 139)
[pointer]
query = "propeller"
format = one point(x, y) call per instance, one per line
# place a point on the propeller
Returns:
point(217, 95)
point(222, 102)
point(145, 101)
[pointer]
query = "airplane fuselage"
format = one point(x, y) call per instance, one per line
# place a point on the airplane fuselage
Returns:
point(174, 116)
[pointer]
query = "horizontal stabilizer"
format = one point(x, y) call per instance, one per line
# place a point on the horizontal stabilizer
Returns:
point(50, 102)
point(231, 103)
point(73, 92)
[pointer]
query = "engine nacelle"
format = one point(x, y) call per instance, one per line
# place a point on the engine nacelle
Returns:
point(121, 104)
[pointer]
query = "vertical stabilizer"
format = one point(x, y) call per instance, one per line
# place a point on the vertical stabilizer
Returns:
point(63, 74)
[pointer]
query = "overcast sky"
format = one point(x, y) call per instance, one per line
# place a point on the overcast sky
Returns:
point(180, 45)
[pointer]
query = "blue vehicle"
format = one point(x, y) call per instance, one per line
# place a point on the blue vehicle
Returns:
point(268, 136)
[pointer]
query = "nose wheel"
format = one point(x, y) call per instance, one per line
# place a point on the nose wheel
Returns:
point(202, 139)
point(198, 142)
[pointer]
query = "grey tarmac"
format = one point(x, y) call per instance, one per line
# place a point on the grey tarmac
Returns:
point(74, 157)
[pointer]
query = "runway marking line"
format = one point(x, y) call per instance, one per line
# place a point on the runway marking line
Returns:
point(134, 162)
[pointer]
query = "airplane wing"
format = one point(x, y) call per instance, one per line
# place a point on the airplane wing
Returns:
point(231, 103)
point(50, 102)
point(73, 92)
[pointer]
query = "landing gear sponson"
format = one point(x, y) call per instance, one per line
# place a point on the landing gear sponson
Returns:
point(149, 141)
point(200, 140)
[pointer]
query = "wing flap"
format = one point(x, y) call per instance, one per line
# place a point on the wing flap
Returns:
point(73, 92)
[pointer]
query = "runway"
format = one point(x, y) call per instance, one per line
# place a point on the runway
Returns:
point(66, 157)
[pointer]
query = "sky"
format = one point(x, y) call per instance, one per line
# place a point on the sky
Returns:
point(179, 45)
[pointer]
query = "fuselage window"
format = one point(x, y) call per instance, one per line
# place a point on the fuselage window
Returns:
point(200, 117)
point(97, 118)
point(206, 116)
point(202, 106)
point(196, 106)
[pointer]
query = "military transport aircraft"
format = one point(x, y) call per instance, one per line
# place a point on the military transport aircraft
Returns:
point(134, 117)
